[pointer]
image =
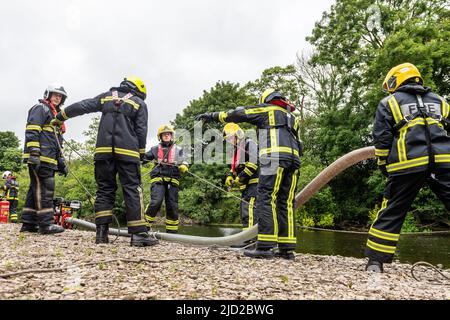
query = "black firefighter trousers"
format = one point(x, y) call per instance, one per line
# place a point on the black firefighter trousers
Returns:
point(275, 207)
point(248, 205)
point(130, 179)
point(38, 208)
point(399, 194)
point(159, 191)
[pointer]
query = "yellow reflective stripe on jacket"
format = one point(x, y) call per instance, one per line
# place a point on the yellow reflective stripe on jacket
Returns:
point(380, 247)
point(381, 162)
point(407, 164)
point(445, 108)
point(264, 109)
point(273, 138)
point(401, 146)
point(248, 171)
point(277, 150)
point(127, 152)
point(254, 180)
point(222, 116)
point(395, 109)
point(420, 121)
point(33, 127)
point(42, 158)
point(129, 101)
point(141, 150)
point(103, 150)
point(442, 158)
point(150, 218)
point(381, 152)
point(64, 115)
point(48, 128)
point(383, 234)
point(251, 165)
point(33, 144)
point(271, 115)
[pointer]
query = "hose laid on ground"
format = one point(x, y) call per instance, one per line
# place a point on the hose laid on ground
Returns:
point(207, 241)
point(315, 185)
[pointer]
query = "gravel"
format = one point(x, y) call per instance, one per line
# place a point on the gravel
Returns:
point(178, 271)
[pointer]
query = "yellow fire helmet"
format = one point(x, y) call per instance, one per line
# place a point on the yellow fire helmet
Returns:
point(232, 129)
point(270, 94)
point(399, 74)
point(138, 83)
point(165, 128)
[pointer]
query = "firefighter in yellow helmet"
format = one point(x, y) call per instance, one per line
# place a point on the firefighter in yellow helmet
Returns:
point(11, 194)
point(120, 147)
point(413, 149)
point(279, 163)
point(244, 170)
point(165, 182)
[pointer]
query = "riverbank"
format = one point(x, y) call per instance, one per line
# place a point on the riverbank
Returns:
point(175, 271)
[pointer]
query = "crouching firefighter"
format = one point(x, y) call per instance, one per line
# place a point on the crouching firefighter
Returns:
point(244, 170)
point(279, 163)
point(42, 153)
point(11, 194)
point(413, 149)
point(119, 148)
point(165, 177)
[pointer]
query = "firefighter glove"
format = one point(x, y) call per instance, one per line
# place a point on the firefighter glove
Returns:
point(205, 117)
point(183, 168)
point(34, 162)
point(62, 167)
point(229, 181)
point(56, 122)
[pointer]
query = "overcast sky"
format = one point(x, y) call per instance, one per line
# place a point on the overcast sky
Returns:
point(178, 48)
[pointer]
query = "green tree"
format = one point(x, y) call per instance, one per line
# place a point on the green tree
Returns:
point(10, 154)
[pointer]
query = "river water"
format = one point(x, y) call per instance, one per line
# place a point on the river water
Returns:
point(434, 249)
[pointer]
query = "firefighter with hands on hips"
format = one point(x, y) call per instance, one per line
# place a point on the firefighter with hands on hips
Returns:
point(120, 147)
point(165, 177)
point(11, 194)
point(244, 170)
point(42, 153)
point(279, 163)
point(413, 149)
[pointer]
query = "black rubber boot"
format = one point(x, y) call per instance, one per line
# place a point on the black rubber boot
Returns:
point(285, 254)
point(50, 229)
point(102, 234)
point(374, 266)
point(142, 239)
point(259, 253)
point(26, 227)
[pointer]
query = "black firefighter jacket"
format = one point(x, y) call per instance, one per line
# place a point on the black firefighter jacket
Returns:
point(402, 143)
point(168, 157)
point(40, 136)
point(122, 132)
point(277, 131)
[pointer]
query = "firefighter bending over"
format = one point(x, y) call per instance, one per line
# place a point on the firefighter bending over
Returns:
point(244, 170)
